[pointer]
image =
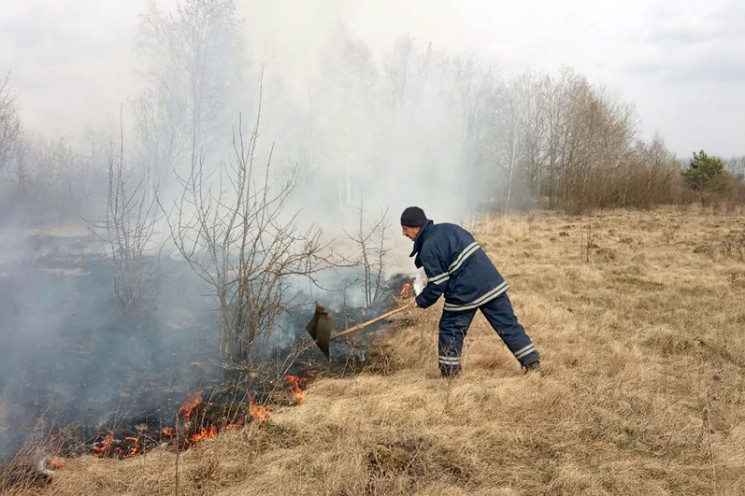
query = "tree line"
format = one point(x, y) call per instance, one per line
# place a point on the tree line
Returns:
point(374, 125)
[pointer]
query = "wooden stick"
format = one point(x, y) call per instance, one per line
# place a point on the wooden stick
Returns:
point(365, 324)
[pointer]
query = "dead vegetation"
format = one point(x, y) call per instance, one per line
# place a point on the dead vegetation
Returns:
point(645, 359)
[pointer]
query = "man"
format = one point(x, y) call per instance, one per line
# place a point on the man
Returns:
point(458, 268)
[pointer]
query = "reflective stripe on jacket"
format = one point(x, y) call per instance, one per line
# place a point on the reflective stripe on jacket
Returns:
point(456, 267)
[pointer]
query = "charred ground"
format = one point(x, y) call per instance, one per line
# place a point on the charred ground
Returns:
point(76, 374)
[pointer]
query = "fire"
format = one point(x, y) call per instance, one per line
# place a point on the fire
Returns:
point(55, 463)
point(257, 412)
point(205, 433)
point(405, 292)
point(108, 447)
point(189, 405)
point(296, 383)
point(131, 446)
point(135, 446)
point(104, 450)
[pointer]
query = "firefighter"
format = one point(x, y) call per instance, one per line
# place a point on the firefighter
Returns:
point(457, 267)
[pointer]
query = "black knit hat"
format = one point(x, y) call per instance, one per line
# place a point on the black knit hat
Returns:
point(413, 217)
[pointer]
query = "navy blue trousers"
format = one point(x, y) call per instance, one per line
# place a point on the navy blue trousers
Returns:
point(454, 326)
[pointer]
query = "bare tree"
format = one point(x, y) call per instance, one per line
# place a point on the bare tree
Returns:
point(398, 68)
point(651, 176)
point(561, 139)
point(128, 230)
point(193, 70)
point(736, 165)
point(45, 180)
point(370, 239)
point(10, 124)
point(232, 227)
point(344, 105)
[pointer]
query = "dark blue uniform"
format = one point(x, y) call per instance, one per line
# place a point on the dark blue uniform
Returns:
point(457, 267)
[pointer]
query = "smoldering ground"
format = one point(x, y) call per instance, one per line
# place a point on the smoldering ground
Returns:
point(69, 357)
point(70, 360)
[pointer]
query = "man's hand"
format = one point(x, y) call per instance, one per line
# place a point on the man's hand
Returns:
point(413, 304)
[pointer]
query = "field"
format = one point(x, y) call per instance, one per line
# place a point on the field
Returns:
point(640, 321)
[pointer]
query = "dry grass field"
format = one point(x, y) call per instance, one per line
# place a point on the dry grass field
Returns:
point(640, 320)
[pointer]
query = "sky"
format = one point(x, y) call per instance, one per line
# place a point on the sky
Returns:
point(681, 63)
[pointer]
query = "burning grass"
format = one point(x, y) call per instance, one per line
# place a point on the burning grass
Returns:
point(645, 358)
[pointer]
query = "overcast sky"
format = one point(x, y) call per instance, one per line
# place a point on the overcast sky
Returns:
point(680, 62)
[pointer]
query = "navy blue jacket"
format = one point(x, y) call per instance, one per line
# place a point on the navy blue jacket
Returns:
point(456, 266)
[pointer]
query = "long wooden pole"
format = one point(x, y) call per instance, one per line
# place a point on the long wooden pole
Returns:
point(365, 324)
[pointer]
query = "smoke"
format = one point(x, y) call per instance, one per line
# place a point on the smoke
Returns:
point(67, 355)
point(359, 131)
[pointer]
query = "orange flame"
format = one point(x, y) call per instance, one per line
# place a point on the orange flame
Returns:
point(189, 405)
point(257, 412)
point(205, 433)
point(105, 449)
point(55, 463)
point(168, 431)
point(134, 449)
point(296, 383)
point(405, 292)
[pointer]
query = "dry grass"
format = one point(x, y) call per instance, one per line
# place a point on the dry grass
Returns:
point(639, 317)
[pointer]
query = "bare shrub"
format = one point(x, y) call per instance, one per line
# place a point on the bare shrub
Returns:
point(370, 239)
point(10, 124)
point(127, 231)
point(733, 245)
point(231, 226)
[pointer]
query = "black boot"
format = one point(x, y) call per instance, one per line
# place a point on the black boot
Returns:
point(532, 367)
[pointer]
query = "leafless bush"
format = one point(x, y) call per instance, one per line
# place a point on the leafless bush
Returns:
point(231, 226)
point(370, 239)
point(127, 230)
point(10, 125)
point(733, 244)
